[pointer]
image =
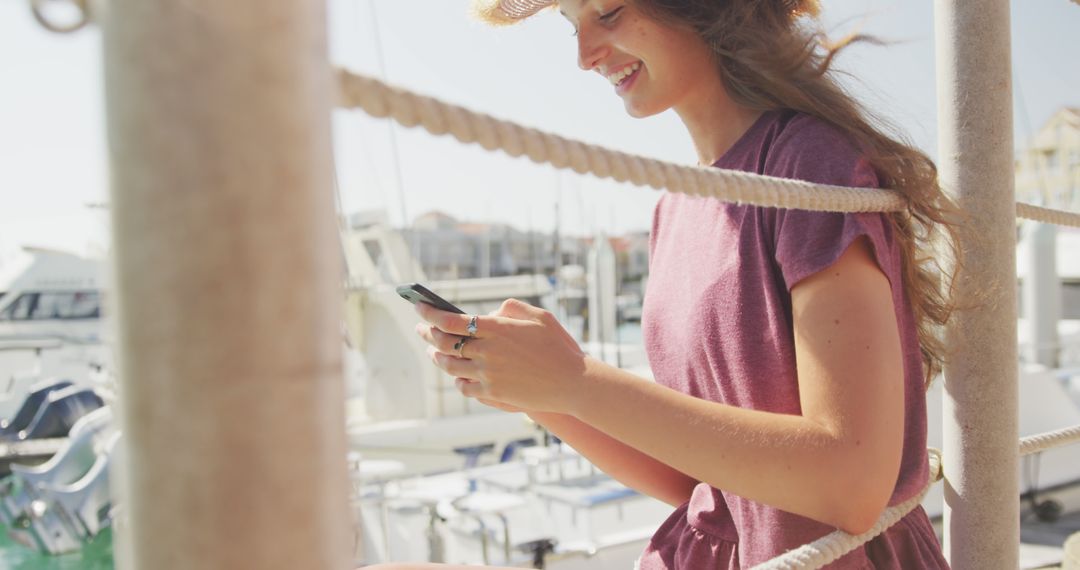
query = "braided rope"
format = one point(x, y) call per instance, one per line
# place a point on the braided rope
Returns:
point(836, 544)
point(1047, 215)
point(1044, 441)
point(438, 118)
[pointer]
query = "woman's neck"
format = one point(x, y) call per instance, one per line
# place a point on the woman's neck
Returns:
point(714, 121)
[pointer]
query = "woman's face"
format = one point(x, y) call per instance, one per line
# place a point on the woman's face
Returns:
point(652, 66)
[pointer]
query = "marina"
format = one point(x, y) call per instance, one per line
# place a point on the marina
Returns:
point(187, 371)
point(491, 487)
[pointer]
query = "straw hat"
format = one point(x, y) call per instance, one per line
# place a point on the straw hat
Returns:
point(506, 12)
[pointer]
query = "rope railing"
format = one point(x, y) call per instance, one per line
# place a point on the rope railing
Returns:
point(1048, 440)
point(439, 118)
point(1047, 215)
point(836, 544)
point(410, 109)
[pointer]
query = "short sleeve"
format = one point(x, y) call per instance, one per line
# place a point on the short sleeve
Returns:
point(807, 242)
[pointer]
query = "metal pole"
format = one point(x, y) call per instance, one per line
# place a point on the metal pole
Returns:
point(227, 281)
point(1042, 294)
point(980, 402)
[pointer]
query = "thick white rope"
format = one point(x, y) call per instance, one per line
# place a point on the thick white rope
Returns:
point(439, 118)
point(1047, 215)
point(1044, 441)
point(836, 544)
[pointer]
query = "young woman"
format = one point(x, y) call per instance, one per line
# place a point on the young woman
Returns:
point(791, 349)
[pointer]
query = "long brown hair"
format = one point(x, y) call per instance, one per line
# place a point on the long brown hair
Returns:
point(772, 55)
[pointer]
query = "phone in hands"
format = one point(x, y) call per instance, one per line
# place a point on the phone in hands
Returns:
point(417, 293)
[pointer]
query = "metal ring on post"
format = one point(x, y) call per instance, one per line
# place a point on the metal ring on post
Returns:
point(36, 6)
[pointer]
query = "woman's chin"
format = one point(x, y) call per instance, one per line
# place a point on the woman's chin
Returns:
point(640, 111)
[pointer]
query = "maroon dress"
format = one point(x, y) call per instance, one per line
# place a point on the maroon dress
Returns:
point(717, 324)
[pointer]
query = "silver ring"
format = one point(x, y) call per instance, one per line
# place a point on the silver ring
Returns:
point(459, 346)
point(471, 327)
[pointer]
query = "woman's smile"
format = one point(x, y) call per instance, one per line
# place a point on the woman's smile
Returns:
point(653, 65)
point(624, 77)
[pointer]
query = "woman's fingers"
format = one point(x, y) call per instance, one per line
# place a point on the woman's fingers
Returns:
point(455, 323)
point(521, 358)
point(443, 342)
point(453, 345)
point(472, 389)
point(520, 310)
point(454, 365)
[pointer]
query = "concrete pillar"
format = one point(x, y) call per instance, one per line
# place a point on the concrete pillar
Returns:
point(980, 402)
point(1041, 294)
point(602, 288)
point(227, 283)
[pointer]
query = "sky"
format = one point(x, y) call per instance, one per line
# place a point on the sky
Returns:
point(53, 156)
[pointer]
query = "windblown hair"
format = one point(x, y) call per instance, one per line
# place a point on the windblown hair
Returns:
point(772, 54)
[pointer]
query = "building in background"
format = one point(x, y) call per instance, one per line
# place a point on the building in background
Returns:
point(448, 248)
point(1048, 170)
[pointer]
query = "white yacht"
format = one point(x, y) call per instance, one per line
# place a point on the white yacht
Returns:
point(50, 321)
point(50, 295)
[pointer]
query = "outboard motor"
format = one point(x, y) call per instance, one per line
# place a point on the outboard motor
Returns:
point(10, 428)
point(62, 408)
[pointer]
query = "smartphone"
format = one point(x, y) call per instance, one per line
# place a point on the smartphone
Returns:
point(417, 293)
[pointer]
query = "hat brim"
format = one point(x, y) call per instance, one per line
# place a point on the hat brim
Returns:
point(506, 12)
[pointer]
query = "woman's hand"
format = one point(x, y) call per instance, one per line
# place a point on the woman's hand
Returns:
point(520, 359)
